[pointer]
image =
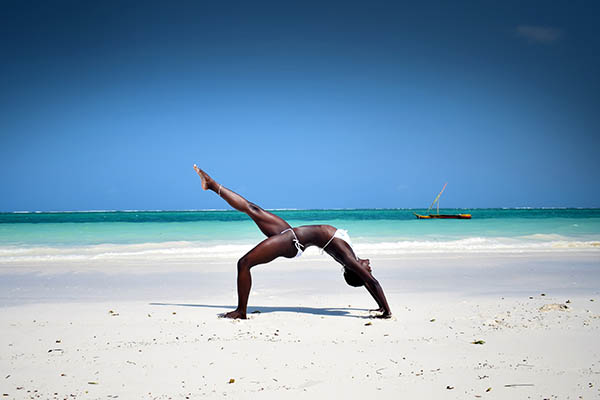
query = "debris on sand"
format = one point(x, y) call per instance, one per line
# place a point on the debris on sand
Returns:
point(478, 341)
point(518, 384)
point(554, 307)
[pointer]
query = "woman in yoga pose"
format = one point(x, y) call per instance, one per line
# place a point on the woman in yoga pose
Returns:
point(283, 240)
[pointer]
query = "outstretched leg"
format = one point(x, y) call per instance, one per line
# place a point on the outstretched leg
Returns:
point(266, 251)
point(269, 224)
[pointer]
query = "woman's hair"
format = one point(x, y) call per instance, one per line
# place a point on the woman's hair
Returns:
point(352, 279)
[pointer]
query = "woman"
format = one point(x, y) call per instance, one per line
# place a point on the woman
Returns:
point(283, 240)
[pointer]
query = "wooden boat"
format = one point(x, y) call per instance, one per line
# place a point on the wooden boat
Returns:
point(438, 215)
point(443, 216)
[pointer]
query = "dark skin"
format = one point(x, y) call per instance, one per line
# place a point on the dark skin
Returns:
point(280, 244)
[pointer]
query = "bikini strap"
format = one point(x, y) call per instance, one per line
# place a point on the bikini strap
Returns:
point(329, 241)
point(297, 243)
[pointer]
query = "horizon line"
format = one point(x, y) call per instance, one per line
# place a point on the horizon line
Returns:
point(297, 209)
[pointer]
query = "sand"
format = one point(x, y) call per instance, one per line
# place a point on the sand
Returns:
point(505, 326)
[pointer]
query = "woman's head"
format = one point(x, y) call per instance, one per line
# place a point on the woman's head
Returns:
point(352, 278)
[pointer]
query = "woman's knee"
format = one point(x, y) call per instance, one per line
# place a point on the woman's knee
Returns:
point(253, 208)
point(243, 264)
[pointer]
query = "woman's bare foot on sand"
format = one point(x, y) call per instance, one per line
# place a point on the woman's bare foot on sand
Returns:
point(235, 314)
point(207, 181)
point(384, 314)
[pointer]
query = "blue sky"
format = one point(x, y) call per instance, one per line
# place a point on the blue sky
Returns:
point(107, 105)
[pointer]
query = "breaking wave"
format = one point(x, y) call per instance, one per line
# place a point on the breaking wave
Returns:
point(185, 250)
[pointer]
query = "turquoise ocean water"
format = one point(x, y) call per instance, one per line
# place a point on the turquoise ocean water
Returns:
point(33, 236)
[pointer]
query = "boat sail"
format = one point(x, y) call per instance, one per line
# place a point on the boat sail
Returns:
point(438, 215)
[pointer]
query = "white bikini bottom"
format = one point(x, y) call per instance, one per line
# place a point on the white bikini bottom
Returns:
point(339, 233)
point(297, 243)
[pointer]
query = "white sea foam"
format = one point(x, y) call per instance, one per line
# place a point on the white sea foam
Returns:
point(143, 251)
point(474, 245)
point(546, 236)
point(197, 251)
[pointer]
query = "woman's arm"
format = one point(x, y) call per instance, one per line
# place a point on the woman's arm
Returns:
point(376, 291)
point(362, 268)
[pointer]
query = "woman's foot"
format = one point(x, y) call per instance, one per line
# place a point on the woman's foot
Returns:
point(384, 314)
point(207, 181)
point(235, 314)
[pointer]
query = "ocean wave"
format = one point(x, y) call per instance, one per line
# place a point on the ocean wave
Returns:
point(194, 251)
point(545, 236)
point(476, 245)
point(154, 251)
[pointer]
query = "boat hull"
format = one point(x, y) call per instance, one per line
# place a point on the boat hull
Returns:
point(443, 216)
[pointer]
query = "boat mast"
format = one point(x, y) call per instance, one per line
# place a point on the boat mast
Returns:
point(437, 200)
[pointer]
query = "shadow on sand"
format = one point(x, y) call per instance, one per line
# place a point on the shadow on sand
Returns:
point(340, 312)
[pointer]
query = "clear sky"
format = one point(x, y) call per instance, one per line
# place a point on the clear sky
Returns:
point(350, 104)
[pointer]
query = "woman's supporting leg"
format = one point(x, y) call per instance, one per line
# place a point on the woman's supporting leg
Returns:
point(270, 224)
point(266, 251)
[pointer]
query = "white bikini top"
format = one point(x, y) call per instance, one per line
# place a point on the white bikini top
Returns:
point(340, 234)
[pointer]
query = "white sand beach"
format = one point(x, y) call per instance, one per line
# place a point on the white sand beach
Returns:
point(503, 326)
